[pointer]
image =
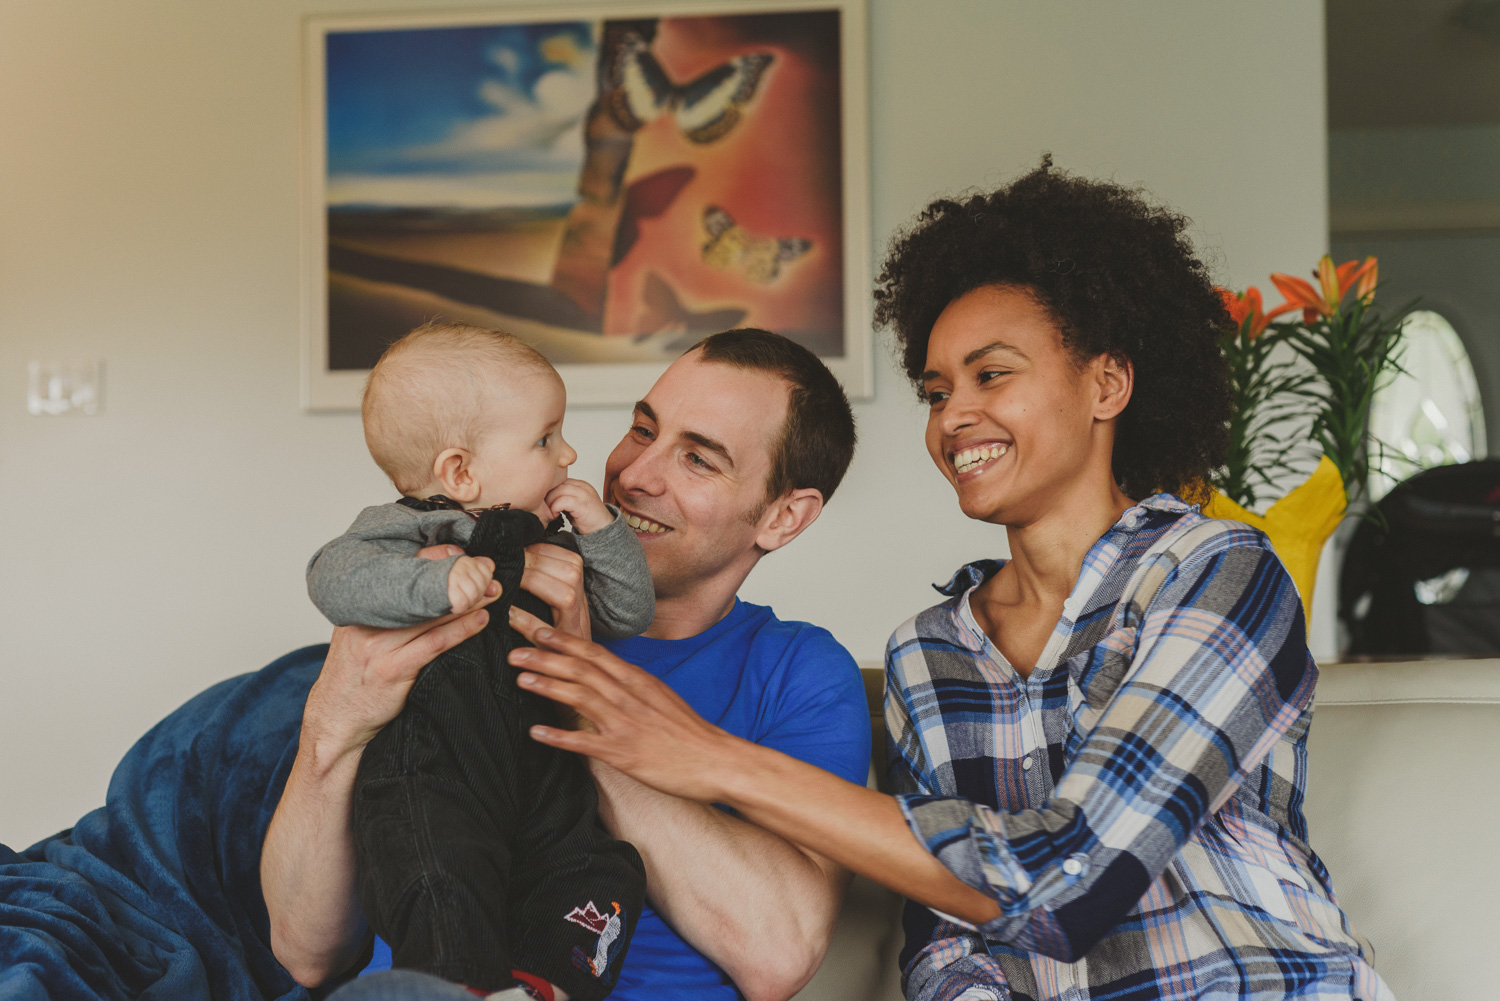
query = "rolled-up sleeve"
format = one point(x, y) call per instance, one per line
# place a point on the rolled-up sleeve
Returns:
point(950, 960)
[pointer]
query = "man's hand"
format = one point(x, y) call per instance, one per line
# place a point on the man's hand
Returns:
point(368, 673)
point(470, 580)
point(581, 503)
point(555, 575)
point(307, 868)
point(639, 725)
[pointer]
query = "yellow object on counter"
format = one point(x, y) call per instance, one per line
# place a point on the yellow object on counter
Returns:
point(1297, 525)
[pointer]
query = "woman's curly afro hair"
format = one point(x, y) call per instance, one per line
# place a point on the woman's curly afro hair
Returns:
point(1117, 275)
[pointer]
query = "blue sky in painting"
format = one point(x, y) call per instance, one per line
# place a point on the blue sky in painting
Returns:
point(465, 116)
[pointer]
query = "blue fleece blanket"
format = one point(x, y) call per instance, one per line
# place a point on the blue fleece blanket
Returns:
point(157, 895)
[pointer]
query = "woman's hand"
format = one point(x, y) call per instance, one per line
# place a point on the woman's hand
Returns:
point(637, 724)
point(646, 731)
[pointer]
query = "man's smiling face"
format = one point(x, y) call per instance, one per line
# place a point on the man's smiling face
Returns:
point(691, 472)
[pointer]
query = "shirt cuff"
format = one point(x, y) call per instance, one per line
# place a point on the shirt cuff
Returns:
point(619, 520)
point(959, 835)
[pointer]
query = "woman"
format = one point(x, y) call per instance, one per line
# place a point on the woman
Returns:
point(1099, 745)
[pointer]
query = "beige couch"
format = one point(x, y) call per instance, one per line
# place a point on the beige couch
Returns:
point(1401, 805)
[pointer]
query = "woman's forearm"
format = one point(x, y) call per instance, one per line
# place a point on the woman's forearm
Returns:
point(859, 828)
point(644, 729)
point(760, 907)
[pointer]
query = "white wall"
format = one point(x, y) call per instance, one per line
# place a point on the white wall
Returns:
point(149, 198)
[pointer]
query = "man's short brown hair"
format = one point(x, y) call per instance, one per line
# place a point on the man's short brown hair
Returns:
point(817, 439)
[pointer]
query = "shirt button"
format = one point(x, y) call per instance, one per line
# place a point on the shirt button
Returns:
point(1072, 866)
point(1026, 763)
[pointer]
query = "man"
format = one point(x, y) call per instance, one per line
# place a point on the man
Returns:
point(730, 456)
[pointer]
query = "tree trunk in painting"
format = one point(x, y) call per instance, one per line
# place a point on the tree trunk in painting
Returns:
point(588, 244)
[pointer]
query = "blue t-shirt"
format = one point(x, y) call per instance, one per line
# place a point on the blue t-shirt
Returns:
point(784, 685)
point(789, 686)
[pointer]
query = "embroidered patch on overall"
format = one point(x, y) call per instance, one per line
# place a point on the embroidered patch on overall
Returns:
point(606, 926)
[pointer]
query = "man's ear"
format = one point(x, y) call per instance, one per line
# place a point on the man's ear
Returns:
point(1114, 381)
point(452, 469)
point(787, 516)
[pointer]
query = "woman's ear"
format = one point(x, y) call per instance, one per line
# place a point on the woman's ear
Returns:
point(1114, 379)
point(788, 516)
point(453, 470)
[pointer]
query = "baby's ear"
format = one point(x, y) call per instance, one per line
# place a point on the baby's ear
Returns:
point(452, 470)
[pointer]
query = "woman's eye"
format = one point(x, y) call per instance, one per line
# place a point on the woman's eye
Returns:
point(932, 397)
point(990, 374)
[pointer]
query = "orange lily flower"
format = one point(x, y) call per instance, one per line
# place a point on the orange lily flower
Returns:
point(1334, 282)
point(1245, 306)
point(1368, 278)
point(1298, 292)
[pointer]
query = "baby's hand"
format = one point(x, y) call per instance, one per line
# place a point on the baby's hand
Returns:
point(581, 503)
point(469, 581)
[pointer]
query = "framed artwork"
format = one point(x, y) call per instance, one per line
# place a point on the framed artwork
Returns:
point(609, 183)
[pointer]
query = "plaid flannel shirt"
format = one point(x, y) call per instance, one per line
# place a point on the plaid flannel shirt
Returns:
point(1134, 805)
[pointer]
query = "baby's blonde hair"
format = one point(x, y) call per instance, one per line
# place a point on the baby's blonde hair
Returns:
point(428, 393)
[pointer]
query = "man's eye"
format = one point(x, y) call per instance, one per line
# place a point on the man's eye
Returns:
point(642, 431)
point(698, 460)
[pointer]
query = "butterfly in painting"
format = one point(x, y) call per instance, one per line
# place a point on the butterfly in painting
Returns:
point(665, 313)
point(647, 198)
point(705, 108)
point(761, 258)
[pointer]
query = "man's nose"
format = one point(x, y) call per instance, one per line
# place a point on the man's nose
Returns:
point(644, 473)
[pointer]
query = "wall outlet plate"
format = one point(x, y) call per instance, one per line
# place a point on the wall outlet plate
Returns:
point(70, 387)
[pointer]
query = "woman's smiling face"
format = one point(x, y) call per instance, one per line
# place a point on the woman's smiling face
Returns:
point(1012, 413)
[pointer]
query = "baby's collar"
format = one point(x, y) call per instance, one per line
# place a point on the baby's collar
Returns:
point(439, 502)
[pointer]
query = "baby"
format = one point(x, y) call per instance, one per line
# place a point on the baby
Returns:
point(480, 857)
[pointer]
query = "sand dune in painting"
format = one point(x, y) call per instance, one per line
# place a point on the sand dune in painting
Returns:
point(392, 269)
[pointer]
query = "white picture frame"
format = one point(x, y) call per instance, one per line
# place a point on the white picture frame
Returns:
point(386, 227)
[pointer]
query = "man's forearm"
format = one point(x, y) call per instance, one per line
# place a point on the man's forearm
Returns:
point(307, 869)
point(760, 907)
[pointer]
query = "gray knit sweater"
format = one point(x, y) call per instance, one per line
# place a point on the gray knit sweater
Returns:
point(371, 575)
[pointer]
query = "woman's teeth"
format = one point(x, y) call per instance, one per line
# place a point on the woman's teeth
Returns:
point(970, 458)
point(642, 525)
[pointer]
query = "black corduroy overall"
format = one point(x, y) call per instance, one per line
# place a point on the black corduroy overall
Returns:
point(479, 850)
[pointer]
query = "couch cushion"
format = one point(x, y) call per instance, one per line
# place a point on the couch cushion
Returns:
point(1401, 805)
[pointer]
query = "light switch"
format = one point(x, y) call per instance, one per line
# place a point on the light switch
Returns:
point(71, 387)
